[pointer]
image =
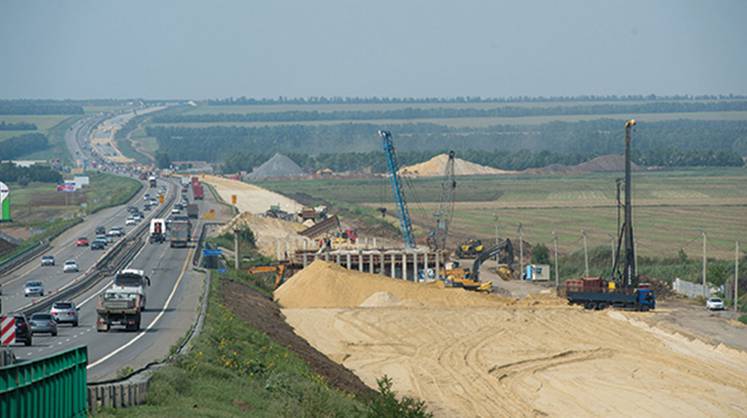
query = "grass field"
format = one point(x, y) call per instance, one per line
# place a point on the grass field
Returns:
point(672, 208)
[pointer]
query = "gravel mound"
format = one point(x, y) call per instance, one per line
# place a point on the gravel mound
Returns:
point(436, 166)
point(277, 166)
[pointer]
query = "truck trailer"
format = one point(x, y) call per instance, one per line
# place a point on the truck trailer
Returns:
point(180, 233)
point(595, 293)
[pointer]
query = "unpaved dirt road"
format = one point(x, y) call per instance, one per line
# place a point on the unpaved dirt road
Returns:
point(474, 355)
point(250, 198)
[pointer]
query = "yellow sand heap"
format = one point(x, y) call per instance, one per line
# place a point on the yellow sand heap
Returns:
point(437, 165)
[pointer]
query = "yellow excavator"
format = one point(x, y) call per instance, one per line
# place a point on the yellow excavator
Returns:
point(471, 248)
point(470, 279)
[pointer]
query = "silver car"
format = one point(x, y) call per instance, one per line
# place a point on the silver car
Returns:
point(43, 323)
point(47, 260)
point(65, 312)
point(71, 266)
point(33, 288)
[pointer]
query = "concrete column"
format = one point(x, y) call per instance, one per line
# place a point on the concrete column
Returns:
point(360, 260)
point(305, 260)
point(391, 260)
point(404, 266)
point(425, 264)
point(381, 262)
point(438, 263)
point(371, 263)
point(349, 262)
point(337, 258)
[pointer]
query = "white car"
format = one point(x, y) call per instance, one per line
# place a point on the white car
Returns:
point(71, 266)
point(130, 221)
point(715, 304)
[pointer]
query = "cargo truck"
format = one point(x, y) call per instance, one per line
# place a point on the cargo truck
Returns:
point(193, 211)
point(157, 231)
point(152, 181)
point(124, 302)
point(595, 293)
point(180, 233)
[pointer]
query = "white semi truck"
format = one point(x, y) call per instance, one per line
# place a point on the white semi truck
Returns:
point(157, 231)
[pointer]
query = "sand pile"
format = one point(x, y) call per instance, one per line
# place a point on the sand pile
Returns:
point(436, 166)
point(601, 164)
point(268, 232)
point(327, 285)
point(277, 166)
point(251, 198)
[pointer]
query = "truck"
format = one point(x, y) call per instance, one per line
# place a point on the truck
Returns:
point(157, 231)
point(198, 192)
point(180, 233)
point(124, 302)
point(596, 293)
point(152, 181)
point(193, 211)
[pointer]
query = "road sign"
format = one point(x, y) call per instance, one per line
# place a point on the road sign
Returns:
point(160, 199)
point(7, 330)
point(4, 203)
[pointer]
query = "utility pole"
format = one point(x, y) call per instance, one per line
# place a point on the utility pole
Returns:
point(555, 244)
point(521, 251)
point(237, 256)
point(705, 266)
point(495, 216)
point(736, 277)
point(586, 254)
point(612, 242)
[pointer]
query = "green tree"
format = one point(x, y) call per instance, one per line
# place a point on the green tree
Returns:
point(540, 254)
point(163, 160)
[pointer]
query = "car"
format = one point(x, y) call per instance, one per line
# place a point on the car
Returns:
point(23, 331)
point(33, 288)
point(138, 216)
point(147, 207)
point(65, 312)
point(175, 211)
point(98, 244)
point(43, 323)
point(715, 304)
point(47, 260)
point(71, 266)
point(100, 230)
point(81, 242)
point(115, 232)
point(105, 238)
point(146, 196)
point(130, 221)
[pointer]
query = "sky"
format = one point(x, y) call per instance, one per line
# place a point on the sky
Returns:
point(188, 49)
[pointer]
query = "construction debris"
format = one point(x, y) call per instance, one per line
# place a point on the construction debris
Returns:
point(271, 234)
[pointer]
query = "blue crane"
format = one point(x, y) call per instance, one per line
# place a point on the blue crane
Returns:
point(405, 223)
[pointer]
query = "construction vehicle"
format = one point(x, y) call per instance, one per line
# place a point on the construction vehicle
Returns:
point(455, 276)
point(470, 249)
point(157, 231)
point(623, 289)
point(404, 214)
point(124, 302)
point(278, 269)
point(180, 233)
point(437, 236)
point(504, 252)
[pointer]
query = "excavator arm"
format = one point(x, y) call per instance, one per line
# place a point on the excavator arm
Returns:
point(505, 252)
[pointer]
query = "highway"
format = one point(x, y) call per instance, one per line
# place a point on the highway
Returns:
point(172, 299)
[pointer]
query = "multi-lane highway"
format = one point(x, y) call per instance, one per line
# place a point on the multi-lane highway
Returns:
point(173, 297)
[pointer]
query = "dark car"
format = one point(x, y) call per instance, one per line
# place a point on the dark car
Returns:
point(23, 330)
point(98, 244)
point(100, 230)
point(43, 323)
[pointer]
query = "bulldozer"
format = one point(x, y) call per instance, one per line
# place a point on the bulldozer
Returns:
point(471, 248)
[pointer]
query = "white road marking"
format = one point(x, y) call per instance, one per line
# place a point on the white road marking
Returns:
point(153, 323)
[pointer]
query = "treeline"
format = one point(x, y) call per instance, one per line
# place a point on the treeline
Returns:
point(240, 101)
point(9, 172)
point(21, 145)
point(39, 107)
point(17, 126)
point(598, 137)
point(374, 161)
point(447, 113)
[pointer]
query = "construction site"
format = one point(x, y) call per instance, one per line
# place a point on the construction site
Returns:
point(476, 329)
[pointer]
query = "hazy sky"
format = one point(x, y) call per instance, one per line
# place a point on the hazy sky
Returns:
point(202, 49)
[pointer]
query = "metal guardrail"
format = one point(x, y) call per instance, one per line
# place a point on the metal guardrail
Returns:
point(51, 386)
point(21, 258)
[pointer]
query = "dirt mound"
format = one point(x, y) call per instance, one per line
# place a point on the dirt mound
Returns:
point(261, 313)
point(327, 285)
point(601, 164)
point(277, 166)
point(436, 166)
point(380, 300)
point(268, 232)
point(250, 198)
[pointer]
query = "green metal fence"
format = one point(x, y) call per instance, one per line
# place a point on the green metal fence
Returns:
point(51, 386)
